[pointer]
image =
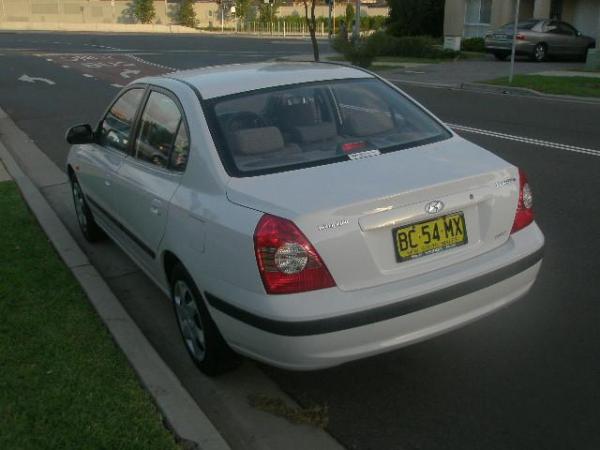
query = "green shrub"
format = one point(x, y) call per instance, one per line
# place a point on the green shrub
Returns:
point(144, 10)
point(359, 53)
point(383, 44)
point(475, 44)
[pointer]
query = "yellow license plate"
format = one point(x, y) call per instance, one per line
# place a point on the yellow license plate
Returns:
point(431, 236)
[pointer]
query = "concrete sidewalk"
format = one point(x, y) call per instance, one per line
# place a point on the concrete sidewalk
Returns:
point(456, 73)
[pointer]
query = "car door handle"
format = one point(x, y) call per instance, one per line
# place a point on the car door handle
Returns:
point(155, 207)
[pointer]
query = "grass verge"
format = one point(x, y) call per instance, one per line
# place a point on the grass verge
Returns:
point(63, 381)
point(577, 86)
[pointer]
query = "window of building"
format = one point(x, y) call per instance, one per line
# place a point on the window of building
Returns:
point(478, 12)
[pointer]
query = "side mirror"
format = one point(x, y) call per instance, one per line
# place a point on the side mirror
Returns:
point(80, 134)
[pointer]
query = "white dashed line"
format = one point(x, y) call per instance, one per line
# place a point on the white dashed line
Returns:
point(525, 140)
point(87, 75)
point(66, 67)
point(118, 86)
point(143, 61)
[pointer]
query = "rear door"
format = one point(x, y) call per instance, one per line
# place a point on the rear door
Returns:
point(148, 180)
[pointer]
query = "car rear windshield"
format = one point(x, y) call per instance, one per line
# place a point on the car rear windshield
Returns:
point(293, 127)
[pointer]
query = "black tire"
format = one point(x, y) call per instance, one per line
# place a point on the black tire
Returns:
point(88, 226)
point(501, 56)
point(208, 350)
point(540, 52)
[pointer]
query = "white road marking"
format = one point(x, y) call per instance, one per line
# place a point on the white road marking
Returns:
point(126, 73)
point(525, 140)
point(116, 85)
point(28, 79)
point(87, 75)
point(49, 59)
point(66, 67)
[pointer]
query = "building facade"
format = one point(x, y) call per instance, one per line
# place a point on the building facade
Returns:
point(473, 18)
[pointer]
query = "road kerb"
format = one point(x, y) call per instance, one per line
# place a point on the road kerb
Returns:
point(182, 414)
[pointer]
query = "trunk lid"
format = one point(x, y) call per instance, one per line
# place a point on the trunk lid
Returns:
point(349, 210)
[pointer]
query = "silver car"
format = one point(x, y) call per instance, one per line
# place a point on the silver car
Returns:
point(303, 214)
point(539, 39)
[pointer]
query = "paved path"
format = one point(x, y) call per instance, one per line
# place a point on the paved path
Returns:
point(470, 71)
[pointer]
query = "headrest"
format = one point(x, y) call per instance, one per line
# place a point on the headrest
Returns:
point(254, 141)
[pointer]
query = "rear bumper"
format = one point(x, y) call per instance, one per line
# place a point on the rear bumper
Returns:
point(488, 283)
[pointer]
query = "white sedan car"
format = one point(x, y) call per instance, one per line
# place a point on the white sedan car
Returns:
point(303, 214)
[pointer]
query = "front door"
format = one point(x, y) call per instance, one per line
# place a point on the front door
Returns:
point(102, 159)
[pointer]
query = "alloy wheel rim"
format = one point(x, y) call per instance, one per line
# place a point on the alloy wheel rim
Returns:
point(79, 206)
point(540, 52)
point(189, 320)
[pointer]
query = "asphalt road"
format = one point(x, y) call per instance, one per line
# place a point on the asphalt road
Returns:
point(526, 377)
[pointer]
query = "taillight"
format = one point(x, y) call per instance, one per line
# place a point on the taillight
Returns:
point(524, 214)
point(520, 37)
point(287, 261)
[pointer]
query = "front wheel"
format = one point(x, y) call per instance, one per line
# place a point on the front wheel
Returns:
point(90, 229)
point(202, 339)
point(540, 53)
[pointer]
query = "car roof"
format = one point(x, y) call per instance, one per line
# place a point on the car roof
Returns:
point(218, 81)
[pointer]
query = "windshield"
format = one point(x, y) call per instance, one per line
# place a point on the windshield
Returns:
point(298, 126)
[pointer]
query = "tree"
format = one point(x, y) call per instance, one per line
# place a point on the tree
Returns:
point(268, 10)
point(416, 17)
point(186, 14)
point(144, 10)
point(242, 8)
point(311, 23)
point(349, 15)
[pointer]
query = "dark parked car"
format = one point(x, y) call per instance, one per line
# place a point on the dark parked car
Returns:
point(539, 39)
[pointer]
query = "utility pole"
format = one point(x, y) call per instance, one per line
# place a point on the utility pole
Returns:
point(330, 3)
point(514, 44)
point(356, 31)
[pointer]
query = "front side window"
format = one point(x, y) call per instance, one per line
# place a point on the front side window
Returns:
point(115, 128)
point(158, 129)
point(292, 127)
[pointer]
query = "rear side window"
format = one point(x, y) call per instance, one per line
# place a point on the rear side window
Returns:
point(293, 127)
point(159, 128)
point(115, 129)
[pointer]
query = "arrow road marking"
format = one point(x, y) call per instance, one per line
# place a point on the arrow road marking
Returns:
point(28, 79)
point(126, 73)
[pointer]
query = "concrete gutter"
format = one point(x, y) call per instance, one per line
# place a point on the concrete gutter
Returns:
point(181, 413)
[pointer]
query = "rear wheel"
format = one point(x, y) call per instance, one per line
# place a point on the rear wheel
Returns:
point(540, 52)
point(202, 339)
point(90, 229)
point(501, 56)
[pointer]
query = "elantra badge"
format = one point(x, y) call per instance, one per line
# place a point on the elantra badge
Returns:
point(434, 207)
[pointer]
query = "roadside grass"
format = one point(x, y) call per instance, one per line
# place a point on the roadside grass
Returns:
point(577, 86)
point(63, 381)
